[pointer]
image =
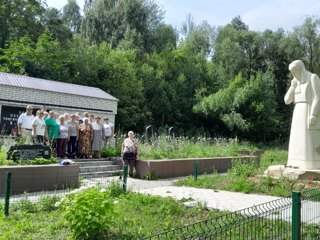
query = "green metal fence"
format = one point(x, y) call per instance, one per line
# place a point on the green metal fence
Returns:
point(309, 215)
point(296, 218)
point(267, 221)
point(59, 187)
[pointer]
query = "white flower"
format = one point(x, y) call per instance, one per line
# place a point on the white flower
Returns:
point(83, 188)
point(115, 202)
point(57, 204)
point(103, 190)
point(75, 191)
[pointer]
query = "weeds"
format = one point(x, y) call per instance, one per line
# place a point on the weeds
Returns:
point(99, 214)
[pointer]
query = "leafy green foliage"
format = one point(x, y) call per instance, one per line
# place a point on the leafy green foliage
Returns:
point(224, 81)
point(89, 214)
point(244, 108)
point(132, 216)
point(111, 151)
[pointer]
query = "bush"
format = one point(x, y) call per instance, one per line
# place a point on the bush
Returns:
point(89, 214)
point(111, 151)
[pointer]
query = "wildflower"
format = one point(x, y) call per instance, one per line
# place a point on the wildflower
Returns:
point(82, 188)
point(75, 191)
point(103, 190)
point(57, 204)
point(115, 202)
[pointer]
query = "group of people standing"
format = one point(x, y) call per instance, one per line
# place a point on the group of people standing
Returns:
point(70, 135)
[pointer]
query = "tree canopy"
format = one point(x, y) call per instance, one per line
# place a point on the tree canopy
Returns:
point(201, 79)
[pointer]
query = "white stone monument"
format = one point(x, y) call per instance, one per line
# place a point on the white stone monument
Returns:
point(304, 144)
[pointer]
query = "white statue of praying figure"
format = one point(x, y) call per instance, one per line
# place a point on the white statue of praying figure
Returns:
point(304, 144)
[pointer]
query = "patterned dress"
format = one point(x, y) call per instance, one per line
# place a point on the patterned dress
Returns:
point(85, 139)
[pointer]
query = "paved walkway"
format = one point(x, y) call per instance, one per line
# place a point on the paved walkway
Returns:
point(222, 200)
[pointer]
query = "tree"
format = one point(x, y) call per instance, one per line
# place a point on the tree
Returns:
point(17, 56)
point(44, 59)
point(20, 18)
point(71, 16)
point(309, 37)
point(108, 21)
point(238, 24)
point(239, 50)
point(54, 23)
point(246, 107)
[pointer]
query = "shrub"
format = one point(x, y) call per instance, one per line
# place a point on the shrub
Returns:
point(89, 214)
point(111, 151)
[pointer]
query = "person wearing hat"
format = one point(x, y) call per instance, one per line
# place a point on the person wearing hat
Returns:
point(25, 125)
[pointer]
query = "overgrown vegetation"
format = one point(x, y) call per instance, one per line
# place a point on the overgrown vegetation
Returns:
point(164, 147)
point(100, 214)
point(247, 178)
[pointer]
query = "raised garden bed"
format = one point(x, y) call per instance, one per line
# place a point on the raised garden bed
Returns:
point(168, 168)
point(33, 178)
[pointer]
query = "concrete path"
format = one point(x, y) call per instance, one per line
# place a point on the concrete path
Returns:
point(222, 200)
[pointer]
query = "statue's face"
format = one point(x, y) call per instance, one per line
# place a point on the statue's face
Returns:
point(297, 73)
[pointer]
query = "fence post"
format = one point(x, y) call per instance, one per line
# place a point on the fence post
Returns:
point(125, 177)
point(7, 194)
point(195, 170)
point(296, 215)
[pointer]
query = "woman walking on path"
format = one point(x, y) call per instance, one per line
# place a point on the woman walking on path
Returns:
point(129, 151)
point(85, 139)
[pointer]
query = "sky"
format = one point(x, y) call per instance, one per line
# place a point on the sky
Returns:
point(257, 14)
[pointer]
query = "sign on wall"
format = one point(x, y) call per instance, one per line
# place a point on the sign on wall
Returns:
point(9, 118)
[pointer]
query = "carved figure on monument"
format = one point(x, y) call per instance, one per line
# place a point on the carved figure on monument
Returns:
point(304, 92)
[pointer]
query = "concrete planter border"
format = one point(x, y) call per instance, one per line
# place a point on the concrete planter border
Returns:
point(167, 168)
point(33, 178)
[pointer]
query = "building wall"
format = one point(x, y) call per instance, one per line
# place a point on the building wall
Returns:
point(58, 102)
point(53, 98)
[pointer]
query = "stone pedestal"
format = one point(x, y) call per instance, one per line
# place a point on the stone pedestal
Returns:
point(292, 173)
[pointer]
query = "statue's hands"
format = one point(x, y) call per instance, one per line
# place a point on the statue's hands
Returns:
point(294, 83)
point(312, 120)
